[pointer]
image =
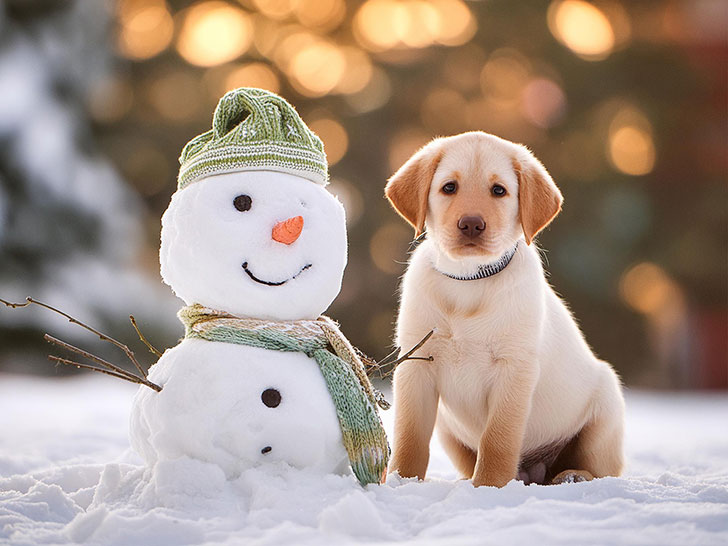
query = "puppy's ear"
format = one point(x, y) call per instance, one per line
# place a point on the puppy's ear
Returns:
point(539, 200)
point(407, 189)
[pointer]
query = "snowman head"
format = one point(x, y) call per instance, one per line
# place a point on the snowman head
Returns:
point(251, 229)
point(259, 244)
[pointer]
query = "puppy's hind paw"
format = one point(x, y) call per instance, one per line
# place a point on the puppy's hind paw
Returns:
point(572, 476)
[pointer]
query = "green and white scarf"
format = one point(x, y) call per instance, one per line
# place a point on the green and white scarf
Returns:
point(351, 391)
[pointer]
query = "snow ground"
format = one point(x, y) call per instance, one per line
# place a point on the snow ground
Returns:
point(67, 475)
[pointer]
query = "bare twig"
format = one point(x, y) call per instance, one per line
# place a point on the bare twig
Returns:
point(387, 360)
point(129, 353)
point(131, 379)
point(92, 357)
point(107, 367)
point(151, 347)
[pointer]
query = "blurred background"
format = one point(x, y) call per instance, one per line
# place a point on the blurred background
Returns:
point(624, 102)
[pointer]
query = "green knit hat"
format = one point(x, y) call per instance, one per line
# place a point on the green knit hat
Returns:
point(254, 129)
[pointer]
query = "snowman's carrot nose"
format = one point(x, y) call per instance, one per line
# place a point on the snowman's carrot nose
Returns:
point(288, 231)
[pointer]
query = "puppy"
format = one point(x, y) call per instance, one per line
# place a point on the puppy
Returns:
point(514, 390)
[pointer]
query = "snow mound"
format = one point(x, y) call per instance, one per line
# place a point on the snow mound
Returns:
point(67, 476)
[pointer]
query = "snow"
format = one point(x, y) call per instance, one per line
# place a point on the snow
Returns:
point(207, 244)
point(68, 475)
point(212, 408)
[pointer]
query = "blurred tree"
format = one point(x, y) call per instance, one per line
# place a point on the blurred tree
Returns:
point(69, 227)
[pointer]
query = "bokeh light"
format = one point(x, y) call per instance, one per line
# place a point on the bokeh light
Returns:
point(334, 137)
point(145, 28)
point(275, 9)
point(648, 289)
point(317, 68)
point(174, 95)
point(380, 25)
point(406, 142)
point(543, 102)
point(251, 75)
point(504, 77)
point(213, 33)
point(631, 148)
point(358, 71)
point(582, 27)
point(322, 15)
point(374, 95)
point(388, 245)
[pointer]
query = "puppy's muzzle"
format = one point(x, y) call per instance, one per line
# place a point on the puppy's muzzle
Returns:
point(471, 226)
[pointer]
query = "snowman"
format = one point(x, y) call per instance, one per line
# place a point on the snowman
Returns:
point(256, 247)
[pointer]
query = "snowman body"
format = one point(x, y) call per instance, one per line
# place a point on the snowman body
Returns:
point(238, 407)
point(259, 244)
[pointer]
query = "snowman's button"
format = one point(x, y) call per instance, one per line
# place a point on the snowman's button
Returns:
point(243, 202)
point(271, 398)
point(266, 449)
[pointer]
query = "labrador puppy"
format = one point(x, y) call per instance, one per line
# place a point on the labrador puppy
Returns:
point(513, 388)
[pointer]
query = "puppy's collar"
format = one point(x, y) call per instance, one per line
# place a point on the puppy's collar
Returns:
point(486, 270)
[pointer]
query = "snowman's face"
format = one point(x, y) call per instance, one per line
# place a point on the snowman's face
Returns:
point(256, 243)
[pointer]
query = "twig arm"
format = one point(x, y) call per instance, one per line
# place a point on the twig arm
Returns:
point(151, 347)
point(129, 353)
point(131, 379)
point(108, 367)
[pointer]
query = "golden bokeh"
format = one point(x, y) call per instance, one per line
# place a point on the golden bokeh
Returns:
point(145, 28)
point(648, 289)
point(504, 77)
point(377, 24)
point(291, 41)
point(213, 33)
point(357, 72)
point(582, 27)
point(457, 24)
point(252, 75)
point(375, 95)
point(275, 9)
point(334, 137)
point(316, 69)
point(380, 25)
point(630, 146)
point(404, 144)
point(322, 15)
point(388, 247)
point(175, 95)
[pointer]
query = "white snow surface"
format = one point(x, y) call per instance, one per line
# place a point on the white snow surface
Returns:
point(67, 475)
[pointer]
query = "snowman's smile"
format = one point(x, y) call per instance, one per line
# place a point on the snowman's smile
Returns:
point(272, 283)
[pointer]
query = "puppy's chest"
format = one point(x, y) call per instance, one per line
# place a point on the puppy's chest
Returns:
point(467, 348)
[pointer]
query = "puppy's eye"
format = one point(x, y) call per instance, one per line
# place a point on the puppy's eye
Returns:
point(243, 202)
point(498, 190)
point(450, 187)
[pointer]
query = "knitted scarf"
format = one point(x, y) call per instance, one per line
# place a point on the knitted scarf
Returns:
point(351, 391)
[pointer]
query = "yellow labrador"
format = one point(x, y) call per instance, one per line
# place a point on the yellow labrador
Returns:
point(514, 389)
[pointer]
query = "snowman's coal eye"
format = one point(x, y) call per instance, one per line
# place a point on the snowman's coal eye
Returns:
point(243, 202)
point(271, 398)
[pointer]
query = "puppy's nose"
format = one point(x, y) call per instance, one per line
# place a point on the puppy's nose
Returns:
point(288, 231)
point(471, 226)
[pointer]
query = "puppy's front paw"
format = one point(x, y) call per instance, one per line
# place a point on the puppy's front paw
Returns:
point(572, 476)
point(491, 481)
